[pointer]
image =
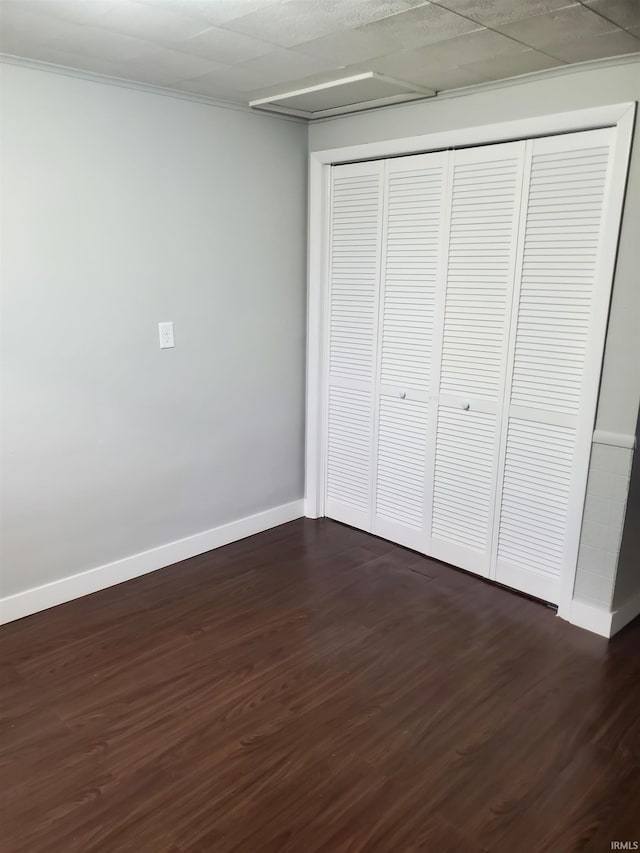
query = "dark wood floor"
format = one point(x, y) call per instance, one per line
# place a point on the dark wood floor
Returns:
point(314, 688)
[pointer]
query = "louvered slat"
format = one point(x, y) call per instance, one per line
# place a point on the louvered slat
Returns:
point(412, 253)
point(486, 188)
point(555, 305)
point(549, 412)
point(355, 244)
point(402, 431)
point(411, 273)
point(480, 271)
point(463, 489)
point(536, 490)
point(355, 252)
point(349, 448)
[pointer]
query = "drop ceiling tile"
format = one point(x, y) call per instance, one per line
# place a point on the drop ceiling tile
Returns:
point(596, 47)
point(421, 26)
point(229, 78)
point(282, 69)
point(286, 24)
point(444, 79)
point(74, 11)
point(252, 83)
point(358, 13)
point(503, 67)
point(94, 41)
point(624, 13)
point(417, 65)
point(569, 24)
point(293, 22)
point(163, 67)
point(24, 25)
point(491, 12)
point(224, 46)
point(215, 12)
point(473, 58)
point(78, 61)
point(279, 66)
point(348, 47)
point(445, 72)
point(153, 23)
point(210, 85)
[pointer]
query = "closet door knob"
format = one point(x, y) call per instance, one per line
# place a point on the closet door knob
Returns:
point(403, 395)
point(466, 405)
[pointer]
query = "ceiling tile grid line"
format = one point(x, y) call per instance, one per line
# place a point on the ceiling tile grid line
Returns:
point(239, 50)
point(624, 13)
point(511, 38)
point(544, 56)
point(544, 59)
point(519, 37)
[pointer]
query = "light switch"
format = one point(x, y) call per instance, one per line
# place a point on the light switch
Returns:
point(165, 331)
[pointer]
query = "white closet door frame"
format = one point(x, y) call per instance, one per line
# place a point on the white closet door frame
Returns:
point(620, 116)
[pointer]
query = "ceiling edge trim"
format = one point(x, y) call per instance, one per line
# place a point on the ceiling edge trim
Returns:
point(66, 71)
point(558, 71)
point(93, 77)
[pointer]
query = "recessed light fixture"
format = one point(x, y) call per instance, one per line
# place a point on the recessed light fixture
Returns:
point(345, 95)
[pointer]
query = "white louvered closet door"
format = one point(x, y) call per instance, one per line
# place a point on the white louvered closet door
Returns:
point(474, 318)
point(354, 272)
point(412, 255)
point(559, 320)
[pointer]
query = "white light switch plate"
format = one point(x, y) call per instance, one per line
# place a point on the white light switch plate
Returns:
point(165, 330)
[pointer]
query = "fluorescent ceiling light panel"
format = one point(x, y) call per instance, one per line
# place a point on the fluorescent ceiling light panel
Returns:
point(358, 92)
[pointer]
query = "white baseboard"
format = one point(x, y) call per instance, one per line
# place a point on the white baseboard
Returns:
point(602, 621)
point(57, 592)
point(591, 617)
point(624, 614)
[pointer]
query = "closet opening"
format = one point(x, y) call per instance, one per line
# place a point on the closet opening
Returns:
point(462, 318)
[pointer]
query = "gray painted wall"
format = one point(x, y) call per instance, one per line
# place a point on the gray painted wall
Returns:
point(123, 208)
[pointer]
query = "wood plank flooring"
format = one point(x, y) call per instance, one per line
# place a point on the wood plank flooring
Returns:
point(315, 689)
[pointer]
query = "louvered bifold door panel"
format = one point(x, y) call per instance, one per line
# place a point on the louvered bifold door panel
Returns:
point(354, 279)
point(412, 264)
point(562, 294)
point(486, 186)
